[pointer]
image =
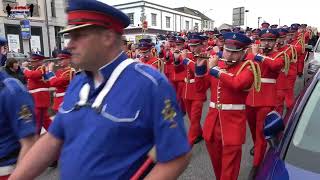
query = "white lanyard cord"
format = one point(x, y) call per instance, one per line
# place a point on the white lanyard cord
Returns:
point(85, 90)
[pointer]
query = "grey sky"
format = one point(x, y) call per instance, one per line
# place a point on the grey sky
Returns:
point(288, 11)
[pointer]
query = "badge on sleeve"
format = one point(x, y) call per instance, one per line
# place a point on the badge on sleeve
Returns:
point(169, 113)
point(25, 113)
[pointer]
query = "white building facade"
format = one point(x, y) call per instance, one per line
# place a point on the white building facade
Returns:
point(160, 19)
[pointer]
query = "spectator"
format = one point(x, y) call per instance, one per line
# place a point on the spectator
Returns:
point(55, 52)
point(3, 51)
point(13, 69)
point(8, 9)
point(31, 9)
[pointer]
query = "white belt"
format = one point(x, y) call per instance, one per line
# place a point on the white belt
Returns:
point(60, 94)
point(38, 90)
point(189, 80)
point(268, 80)
point(228, 106)
point(6, 170)
point(52, 88)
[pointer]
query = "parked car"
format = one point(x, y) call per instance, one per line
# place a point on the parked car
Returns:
point(295, 153)
point(313, 61)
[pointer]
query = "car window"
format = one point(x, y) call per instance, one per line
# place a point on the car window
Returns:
point(304, 150)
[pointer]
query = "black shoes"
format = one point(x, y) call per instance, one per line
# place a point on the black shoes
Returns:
point(252, 151)
point(198, 139)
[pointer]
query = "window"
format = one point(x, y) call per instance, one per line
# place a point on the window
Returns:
point(304, 149)
point(35, 6)
point(167, 22)
point(131, 17)
point(187, 25)
point(153, 19)
point(53, 8)
point(196, 25)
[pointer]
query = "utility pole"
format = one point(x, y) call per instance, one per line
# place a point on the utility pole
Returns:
point(47, 25)
point(246, 16)
point(259, 21)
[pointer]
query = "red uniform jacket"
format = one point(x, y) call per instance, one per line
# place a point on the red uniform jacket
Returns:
point(229, 89)
point(153, 61)
point(282, 81)
point(211, 42)
point(189, 91)
point(257, 41)
point(270, 70)
point(168, 64)
point(38, 87)
point(179, 73)
point(293, 70)
point(60, 82)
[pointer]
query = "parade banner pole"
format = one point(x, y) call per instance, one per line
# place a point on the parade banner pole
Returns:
point(151, 159)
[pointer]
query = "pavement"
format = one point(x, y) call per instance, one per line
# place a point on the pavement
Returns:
point(200, 166)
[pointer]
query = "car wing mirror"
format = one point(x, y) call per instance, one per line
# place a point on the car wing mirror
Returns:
point(273, 125)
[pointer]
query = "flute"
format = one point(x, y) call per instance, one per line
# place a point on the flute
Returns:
point(225, 60)
point(51, 60)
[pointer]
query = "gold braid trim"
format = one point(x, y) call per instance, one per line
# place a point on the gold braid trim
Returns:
point(154, 52)
point(294, 54)
point(286, 61)
point(302, 43)
point(160, 64)
point(256, 73)
point(43, 71)
point(69, 73)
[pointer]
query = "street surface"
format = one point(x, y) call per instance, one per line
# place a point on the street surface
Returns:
point(200, 166)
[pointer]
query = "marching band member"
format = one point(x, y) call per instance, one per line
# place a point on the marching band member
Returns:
point(224, 129)
point(61, 78)
point(259, 104)
point(193, 100)
point(39, 89)
point(113, 113)
point(145, 46)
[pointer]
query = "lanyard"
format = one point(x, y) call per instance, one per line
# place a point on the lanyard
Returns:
point(85, 90)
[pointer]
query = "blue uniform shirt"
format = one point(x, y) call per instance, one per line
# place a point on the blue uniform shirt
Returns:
point(139, 112)
point(17, 117)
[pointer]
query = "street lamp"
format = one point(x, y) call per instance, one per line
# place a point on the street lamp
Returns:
point(47, 25)
point(259, 21)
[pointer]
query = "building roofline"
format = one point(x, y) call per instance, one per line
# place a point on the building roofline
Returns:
point(147, 2)
point(201, 15)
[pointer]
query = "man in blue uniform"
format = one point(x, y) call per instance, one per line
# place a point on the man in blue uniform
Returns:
point(17, 125)
point(113, 112)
